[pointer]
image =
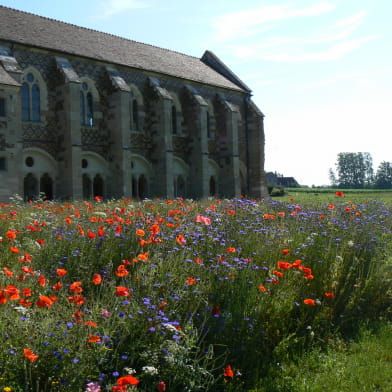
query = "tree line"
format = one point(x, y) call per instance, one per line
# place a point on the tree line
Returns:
point(354, 170)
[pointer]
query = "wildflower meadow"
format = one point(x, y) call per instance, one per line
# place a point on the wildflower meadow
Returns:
point(182, 295)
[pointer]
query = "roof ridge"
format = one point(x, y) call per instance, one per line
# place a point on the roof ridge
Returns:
point(100, 32)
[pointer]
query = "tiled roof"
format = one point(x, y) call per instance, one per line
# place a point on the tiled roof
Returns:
point(5, 78)
point(33, 30)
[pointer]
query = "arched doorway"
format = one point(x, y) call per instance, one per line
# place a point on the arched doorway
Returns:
point(134, 187)
point(179, 187)
point(98, 186)
point(46, 186)
point(142, 186)
point(86, 187)
point(31, 188)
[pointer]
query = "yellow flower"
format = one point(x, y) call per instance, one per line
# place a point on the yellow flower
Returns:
point(7, 389)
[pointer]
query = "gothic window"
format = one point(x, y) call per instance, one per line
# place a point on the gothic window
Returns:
point(3, 164)
point(2, 107)
point(208, 120)
point(86, 106)
point(134, 109)
point(174, 120)
point(31, 99)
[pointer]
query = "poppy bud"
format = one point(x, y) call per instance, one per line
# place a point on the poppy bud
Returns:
point(161, 386)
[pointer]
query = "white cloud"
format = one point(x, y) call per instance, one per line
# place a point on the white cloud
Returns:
point(252, 21)
point(334, 52)
point(109, 8)
point(325, 43)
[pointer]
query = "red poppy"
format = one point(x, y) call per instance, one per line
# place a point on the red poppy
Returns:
point(3, 298)
point(90, 234)
point(181, 239)
point(285, 252)
point(41, 280)
point(121, 271)
point(13, 249)
point(262, 288)
point(190, 281)
point(310, 302)
point(57, 286)
point(230, 249)
point(228, 372)
point(329, 295)
point(90, 324)
point(284, 265)
point(143, 256)
point(278, 273)
point(61, 272)
point(296, 264)
point(97, 279)
point(122, 291)
point(26, 292)
point(127, 380)
point(7, 272)
point(77, 299)
point(30, 355)
point(75, 287)
point(11, 234)
point(93, 339)
point(140, 232)
point(339, 193)
point(12, 292)
point(161, 386)
point(44, 301)
point(24, 302)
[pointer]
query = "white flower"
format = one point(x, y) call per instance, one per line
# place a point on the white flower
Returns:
point(151, 370)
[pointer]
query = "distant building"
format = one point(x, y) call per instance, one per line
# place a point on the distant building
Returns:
point(280, 180)
point(84, 114)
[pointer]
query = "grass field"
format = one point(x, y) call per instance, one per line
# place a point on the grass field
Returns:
point(179, 295)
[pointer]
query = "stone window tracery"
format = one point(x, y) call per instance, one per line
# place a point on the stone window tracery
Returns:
point(31, 99)
point(86, 106)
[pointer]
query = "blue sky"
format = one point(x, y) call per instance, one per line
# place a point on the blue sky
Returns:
point(321, 71)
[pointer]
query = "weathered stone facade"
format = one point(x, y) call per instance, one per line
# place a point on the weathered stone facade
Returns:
point(75, 127)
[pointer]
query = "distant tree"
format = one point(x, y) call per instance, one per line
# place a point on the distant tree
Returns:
point(355, 170)
point(332, 178)
point(383, 179)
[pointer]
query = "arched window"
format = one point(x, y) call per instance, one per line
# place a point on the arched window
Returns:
point(86, 106)
point(208, 125)
point(135, 115)
point(31, 99)
point(174, 120)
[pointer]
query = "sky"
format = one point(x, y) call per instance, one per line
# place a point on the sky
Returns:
point(320, 71)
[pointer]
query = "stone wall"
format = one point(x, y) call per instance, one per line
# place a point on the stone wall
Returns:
point(147, 135)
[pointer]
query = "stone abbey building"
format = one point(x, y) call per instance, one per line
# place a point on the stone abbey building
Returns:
point(84, 114)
